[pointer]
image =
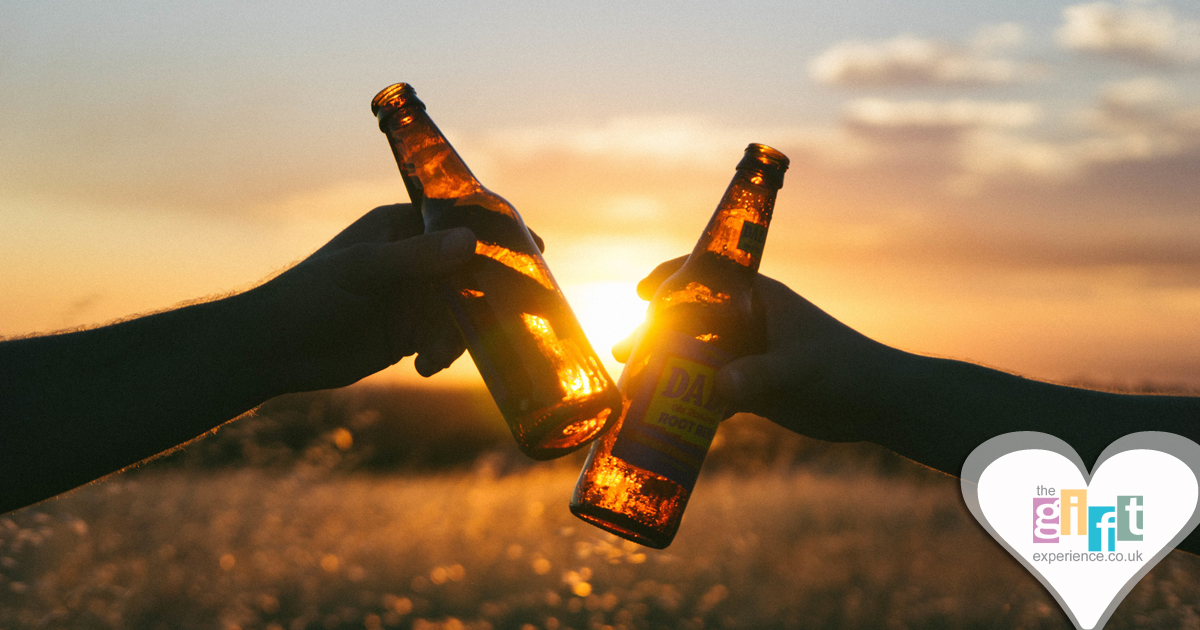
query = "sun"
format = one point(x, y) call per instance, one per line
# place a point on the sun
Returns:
point(608, 312)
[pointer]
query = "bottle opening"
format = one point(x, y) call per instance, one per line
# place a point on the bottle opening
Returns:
point(766, 160)
point(393, 97)
point(767, 155)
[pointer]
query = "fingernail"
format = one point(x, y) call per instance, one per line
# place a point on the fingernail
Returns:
point(458, 243)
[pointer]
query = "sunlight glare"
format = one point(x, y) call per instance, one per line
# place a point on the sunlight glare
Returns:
point(608, 312)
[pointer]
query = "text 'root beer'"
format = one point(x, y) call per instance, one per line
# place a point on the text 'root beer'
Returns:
point(528, 346)
point(638, 478)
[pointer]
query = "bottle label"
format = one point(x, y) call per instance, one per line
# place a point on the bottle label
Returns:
point(752, 238)
point(673, 411)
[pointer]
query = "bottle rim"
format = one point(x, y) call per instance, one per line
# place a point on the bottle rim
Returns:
point(767, 155)
point(394, 97)
point(772, 163)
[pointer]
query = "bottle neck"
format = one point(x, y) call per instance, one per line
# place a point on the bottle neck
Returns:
point(737, 230)
point(431, 168)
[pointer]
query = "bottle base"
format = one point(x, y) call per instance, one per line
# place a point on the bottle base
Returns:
point(568, 434)
point(633, 503)
point(623, 526)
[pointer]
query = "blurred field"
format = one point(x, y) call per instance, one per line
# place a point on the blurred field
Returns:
point(282, 521)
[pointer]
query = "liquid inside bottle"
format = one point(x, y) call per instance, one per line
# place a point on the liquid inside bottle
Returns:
point(527, 343)
point(638, 478)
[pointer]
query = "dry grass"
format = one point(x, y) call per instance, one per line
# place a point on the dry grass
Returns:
point(469, 549)
point(380, 508)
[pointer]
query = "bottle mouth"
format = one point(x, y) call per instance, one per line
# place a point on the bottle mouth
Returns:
point(394, 97)
point(766, 160)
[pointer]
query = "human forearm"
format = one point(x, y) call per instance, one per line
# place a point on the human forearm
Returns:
point(77, 406)
point(936, 411)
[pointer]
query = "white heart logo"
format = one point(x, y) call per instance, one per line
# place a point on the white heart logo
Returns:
point(1088, 538)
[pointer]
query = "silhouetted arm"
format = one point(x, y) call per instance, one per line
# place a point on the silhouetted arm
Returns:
point(77, 406)
point(936, 411)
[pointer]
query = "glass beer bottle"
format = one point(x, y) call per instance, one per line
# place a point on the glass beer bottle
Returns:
point(539, 367)
point(638, 477)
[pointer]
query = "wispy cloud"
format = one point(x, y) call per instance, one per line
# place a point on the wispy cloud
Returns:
point(1150, 34)
point(914, 61)
point(687, 140)
point(993, 37)
point(913, 118)
point(1145, 105)
point(976, 143)
point(964, 142)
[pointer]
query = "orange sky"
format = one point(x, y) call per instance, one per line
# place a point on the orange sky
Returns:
point(1016, 186)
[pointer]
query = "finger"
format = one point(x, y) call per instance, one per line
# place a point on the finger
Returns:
point(425, 365)
point(428, 364)
point(433, 361)
point(437, 253)
point(427, 255)
point(749, 383)
point(537, 240)
point(372, 267)
point(441, 346)
point(383, 224)
point(623, 348)
point(649, 284)
point(407, 221)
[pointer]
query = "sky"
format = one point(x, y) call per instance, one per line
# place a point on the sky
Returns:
point(1009, 183)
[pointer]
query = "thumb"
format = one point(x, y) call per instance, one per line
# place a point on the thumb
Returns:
point(623, 348)
point(649, 285)
point(749, 383)
point(371, 267)
point(427, 255)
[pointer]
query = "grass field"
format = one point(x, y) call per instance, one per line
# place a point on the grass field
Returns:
point(313, 542)
point(247, 549)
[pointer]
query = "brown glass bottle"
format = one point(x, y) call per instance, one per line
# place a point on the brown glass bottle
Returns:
point(538, 365)
point(638, 478)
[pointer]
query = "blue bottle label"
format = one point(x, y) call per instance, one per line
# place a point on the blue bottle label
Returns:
point(673, 411)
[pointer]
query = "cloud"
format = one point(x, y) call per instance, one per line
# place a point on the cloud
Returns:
point(992, 156)
point(1145, 105)
point(1138, 120)
point(1137, 132)
point(960, 114)
point(685, 140)
point(1140, 34)
point(1135, 102)
point(622, 174)
point(913, 61)
point(943, 138)
point(995, 155)
point(998, 36)
point(1137, 150)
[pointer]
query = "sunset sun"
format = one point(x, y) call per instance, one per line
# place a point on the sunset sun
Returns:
point(608, 312)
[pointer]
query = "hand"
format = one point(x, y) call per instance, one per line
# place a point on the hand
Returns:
point(366, 300)
point(815, 378)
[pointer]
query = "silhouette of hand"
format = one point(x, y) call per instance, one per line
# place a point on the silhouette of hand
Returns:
point(815, 373)
point(366, 300)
